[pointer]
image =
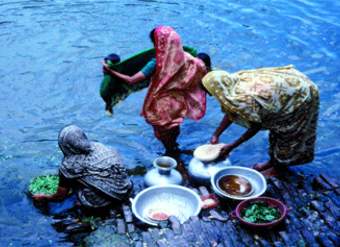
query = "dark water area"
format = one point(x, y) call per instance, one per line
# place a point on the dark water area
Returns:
point(50, 71)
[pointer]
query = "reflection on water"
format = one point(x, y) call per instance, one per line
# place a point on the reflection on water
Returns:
point(50, 73)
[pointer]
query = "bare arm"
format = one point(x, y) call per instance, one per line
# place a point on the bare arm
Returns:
point(138, 77)
point(224, 124)
point(244, 137)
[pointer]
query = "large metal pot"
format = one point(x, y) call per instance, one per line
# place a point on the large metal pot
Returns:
point(175, 200)
point(201, 172)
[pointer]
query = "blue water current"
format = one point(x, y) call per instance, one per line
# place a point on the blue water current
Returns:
point(50, 71)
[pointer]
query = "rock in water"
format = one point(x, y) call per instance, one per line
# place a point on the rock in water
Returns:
point(106, 236)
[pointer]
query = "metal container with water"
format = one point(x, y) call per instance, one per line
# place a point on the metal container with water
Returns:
point(164, 172)
point(255, 178)
point(172, 200)
point(200, 172)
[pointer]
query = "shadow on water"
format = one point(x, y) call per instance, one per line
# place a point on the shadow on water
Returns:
point(50, 73)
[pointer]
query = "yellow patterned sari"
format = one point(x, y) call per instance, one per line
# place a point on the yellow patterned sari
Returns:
point(280, 99)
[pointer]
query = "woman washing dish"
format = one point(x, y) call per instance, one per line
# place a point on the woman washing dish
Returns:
point(281, 100)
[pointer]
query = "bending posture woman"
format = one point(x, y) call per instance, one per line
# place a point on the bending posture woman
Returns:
point(175, 91)
point(281, 100)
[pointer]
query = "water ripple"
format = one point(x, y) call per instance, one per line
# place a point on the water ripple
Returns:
point(50, 73)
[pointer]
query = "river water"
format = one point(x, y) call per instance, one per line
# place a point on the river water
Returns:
point(50, 53)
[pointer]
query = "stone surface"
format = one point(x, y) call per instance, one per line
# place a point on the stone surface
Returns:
point(106, 236)
point(313, 220)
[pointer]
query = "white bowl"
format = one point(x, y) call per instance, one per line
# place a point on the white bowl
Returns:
point(175, 200)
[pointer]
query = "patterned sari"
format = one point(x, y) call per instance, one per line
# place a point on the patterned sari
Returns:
point(280, 99)
point(174, 92)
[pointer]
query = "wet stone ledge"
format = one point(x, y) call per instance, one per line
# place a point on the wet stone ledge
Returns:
point(313, 220)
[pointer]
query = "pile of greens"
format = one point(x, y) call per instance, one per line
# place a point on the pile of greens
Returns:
point(46, 185)
point(260, 212)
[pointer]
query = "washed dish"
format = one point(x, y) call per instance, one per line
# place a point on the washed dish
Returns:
point(235, 185)
point(158, 203)
point(247, 183)
point(208, 152)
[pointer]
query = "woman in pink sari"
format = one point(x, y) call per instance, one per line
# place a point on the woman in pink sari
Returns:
point(175, 91)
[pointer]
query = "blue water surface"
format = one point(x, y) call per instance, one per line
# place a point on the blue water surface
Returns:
point(50, 53)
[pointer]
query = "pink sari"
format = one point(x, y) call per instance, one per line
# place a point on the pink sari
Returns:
point(174, 92)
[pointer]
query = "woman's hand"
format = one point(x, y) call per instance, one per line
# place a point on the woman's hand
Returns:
point(105, 64)
point(106, 68)
point(40, 197)
point(225, 123)
point(225, 151)
point(214, 139)
point(138, 77)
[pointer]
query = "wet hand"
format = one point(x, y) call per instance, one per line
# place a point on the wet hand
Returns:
point(225, 151)
point(105, 64)
point(40, 197)
point(214, 139)
point(105, 67)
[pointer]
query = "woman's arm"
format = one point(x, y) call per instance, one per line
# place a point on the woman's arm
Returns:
point(61, 193)
point(138, 77)
point(245, 137)
point(224, 124)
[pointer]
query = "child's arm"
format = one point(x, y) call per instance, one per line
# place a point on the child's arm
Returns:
point(138, 77)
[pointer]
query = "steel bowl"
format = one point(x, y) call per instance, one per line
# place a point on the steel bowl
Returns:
point(175, 200)
point(256, 179)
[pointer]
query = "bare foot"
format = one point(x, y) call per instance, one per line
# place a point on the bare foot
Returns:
point(108, 110)
point(263, 166)
point(270, 172)
point(108, 113)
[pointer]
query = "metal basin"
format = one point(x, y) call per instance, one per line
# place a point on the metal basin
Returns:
point(175, 200)
point(201, 172)
point(256, 179)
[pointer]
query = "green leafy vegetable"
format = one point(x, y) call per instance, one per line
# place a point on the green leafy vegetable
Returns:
point(46, 185)
point(260, 212)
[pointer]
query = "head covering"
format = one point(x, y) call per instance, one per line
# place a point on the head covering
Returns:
point(240, 107)
point(72, 140)
point(174, 91)
point(254, 96)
